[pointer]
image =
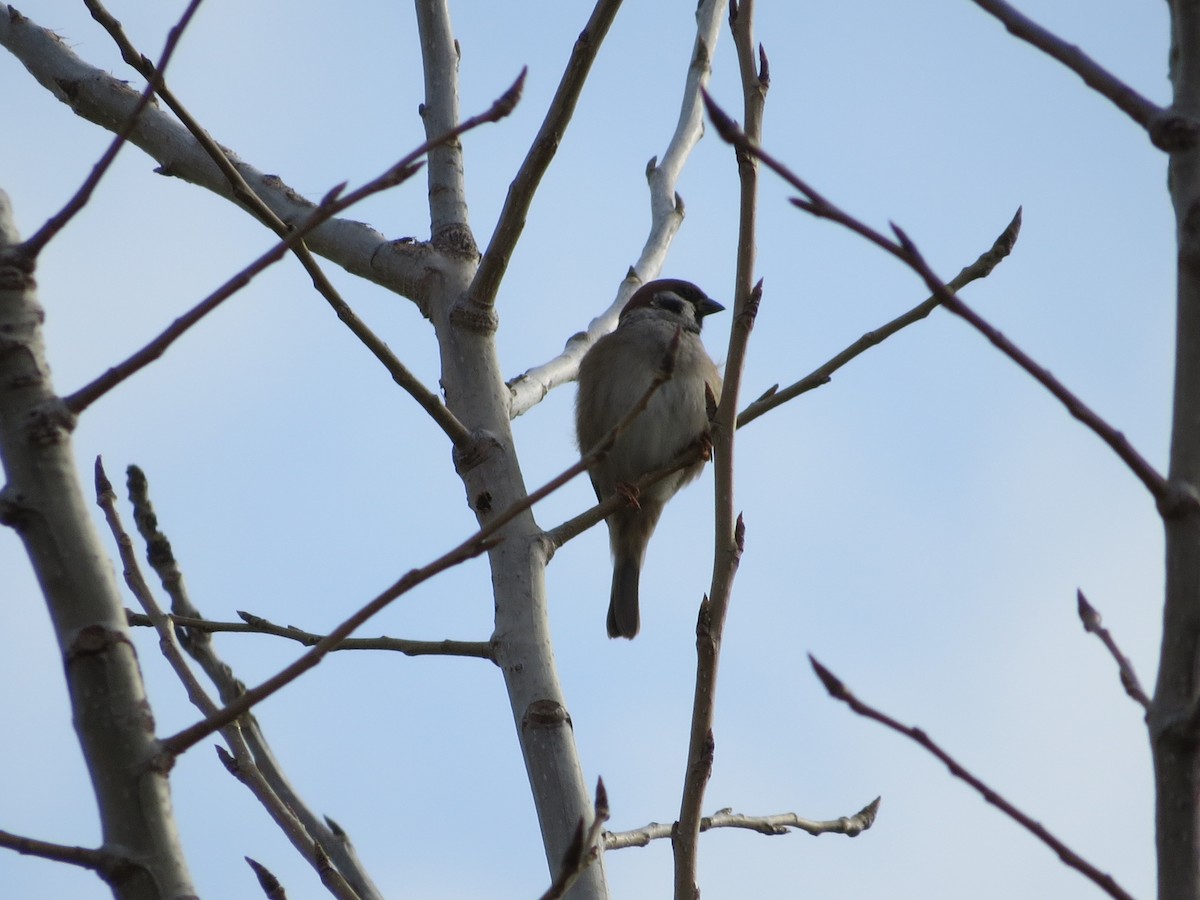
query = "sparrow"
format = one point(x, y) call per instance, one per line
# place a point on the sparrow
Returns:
point(613, 376)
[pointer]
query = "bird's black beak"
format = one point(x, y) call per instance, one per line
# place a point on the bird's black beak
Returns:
point(707, 307)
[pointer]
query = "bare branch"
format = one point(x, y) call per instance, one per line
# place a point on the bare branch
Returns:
point(541, 153)
point(252, 624)
point(839, 691)
point(402, 266)
point(1170, 498)
point(666, 215)
point(781, 823)
point(104, 863)
point(427, 399)
point(58, 221)
point(253, 763)
point(478, 543)
point(981, 268)
point(729, 528)
point(1091, 624)
point(329, 207)
point(584, 849)
point(244, 767)
point(1167, 130)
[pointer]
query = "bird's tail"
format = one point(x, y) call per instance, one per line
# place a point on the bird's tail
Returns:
point(623, 602)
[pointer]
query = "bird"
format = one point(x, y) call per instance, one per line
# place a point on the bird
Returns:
point(613, 375)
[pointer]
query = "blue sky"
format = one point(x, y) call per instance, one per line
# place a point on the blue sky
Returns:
point(921, 524)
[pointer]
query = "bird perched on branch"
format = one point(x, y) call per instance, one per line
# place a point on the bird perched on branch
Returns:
point(659, 325)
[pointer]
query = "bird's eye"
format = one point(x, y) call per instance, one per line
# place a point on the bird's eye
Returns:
point(669, 301)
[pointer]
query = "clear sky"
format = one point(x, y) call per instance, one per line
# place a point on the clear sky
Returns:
point(921, 524)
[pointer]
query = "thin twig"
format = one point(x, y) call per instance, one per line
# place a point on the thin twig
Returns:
point(105, 863)
point(1091, 624)
point(729, 527)
point(252, 624)
point(480, 542)
point(1147, 114)
point(333, 204)
point(427, 399)
point(106, 499)
point(839, 691)
point(246, 770)
point(253, 763)
point(541, 153)
point(584, 849)
point(981, 268)
point(781, 823)
point(59, 220)
point(1170, 500)
point(267, 880)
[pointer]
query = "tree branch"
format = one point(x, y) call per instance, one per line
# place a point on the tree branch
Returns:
point(781, 823)
point(584, 849)
point(403, 266)
point(59, 220)
point(241, 762)
point(1091, 624)
point(839, 691)
point(981, 268)
point(666, 215)
point(253, 763)
point(326, 209)
point(109, 866)
point(427, 399)
point(1167, 130)
point(252, 624)
point(541, 153)
point(1171, 498)
point(729, 529)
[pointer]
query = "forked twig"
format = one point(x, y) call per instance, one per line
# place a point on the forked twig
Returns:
point(480, 542)
point(1170, 499)
point(333, 203)
point(427, 399)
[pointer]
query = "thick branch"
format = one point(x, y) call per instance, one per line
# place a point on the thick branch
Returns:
point(245, 194)
point(401, 266)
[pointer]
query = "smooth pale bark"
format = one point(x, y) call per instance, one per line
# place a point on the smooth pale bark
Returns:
point(43, 502)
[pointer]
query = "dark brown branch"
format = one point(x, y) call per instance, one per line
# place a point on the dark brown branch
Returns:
point(427, 399)
point(333, 204)
point(59, 220)
point(541, 153)
point(729, 527)
point(981, 268)
point(1092, 625)
point(781, 823)
point(1170, 499)
point(252, 624)
point(1165, 129)
point(839, 691)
